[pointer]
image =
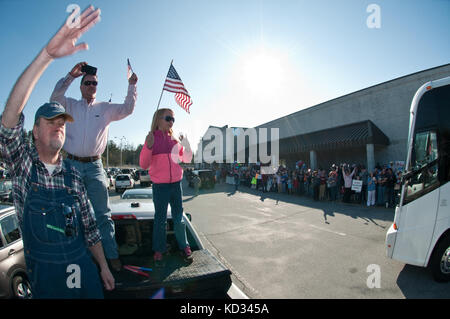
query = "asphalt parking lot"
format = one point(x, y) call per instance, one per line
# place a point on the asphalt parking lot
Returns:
point(284, 246)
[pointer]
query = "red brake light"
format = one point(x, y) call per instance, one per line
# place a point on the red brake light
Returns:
point(124, 216)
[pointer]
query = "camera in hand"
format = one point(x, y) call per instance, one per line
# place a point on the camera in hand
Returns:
point(89, 69)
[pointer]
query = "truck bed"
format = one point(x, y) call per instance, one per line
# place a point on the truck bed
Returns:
point(205, 277)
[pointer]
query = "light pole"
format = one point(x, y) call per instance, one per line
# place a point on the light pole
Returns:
point(121, 147)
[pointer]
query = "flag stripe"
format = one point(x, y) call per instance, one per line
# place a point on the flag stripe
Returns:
point(174, 83)
point(175, 89)
point(184, 101)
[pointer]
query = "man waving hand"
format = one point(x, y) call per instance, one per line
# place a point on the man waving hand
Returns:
point(55, 216)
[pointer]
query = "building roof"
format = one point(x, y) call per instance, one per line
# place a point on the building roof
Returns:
point(376, 86)
point(350, 135)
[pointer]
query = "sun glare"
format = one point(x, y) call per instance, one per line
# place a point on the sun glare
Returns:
point(262, 72)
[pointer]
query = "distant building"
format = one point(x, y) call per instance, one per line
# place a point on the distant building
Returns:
point(367, 127)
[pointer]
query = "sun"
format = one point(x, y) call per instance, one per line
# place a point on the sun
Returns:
point(262, 72)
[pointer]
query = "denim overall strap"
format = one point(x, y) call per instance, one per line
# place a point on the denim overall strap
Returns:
point(54, 243)
point(45, 224)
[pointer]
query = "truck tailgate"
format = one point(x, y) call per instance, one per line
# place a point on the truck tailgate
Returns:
point(205, 277)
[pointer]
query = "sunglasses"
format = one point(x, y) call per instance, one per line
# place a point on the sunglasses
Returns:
point(70, 229)
point(169, 118)
point(87, 83)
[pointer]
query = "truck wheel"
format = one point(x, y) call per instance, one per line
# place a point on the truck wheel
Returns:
point(21, 287)
point(440, 261)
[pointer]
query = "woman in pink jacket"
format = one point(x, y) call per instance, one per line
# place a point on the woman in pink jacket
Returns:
point(160, 155)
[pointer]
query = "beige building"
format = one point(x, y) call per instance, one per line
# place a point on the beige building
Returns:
point(367, 127)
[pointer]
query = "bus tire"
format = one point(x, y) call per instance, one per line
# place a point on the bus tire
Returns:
point(440, 261)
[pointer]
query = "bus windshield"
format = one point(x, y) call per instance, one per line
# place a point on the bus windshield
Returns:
point(429, 161)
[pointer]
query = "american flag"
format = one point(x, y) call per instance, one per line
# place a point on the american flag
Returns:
point(174, 84)
point(129, 69)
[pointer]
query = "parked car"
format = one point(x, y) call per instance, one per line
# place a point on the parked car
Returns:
point(123, 181)
point(138, 193)
point(13, 277)
point(5, 190)
point(144, 178)
point(130, 171)
point(207, 178)
point(205, 277)
point(109, 180)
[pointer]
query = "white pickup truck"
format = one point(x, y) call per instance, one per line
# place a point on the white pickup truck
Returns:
point(206, 277)
point(124, 181)
point(144, 178)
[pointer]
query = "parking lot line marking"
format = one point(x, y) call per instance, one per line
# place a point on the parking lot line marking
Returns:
point(327, 230)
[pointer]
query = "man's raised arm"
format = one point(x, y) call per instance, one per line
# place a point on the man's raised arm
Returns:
point(62, 44)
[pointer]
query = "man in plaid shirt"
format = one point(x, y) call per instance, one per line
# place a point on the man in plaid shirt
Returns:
point(55, 216)
point(19, 154)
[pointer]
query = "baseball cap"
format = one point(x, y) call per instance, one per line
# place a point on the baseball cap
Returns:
point(51, 110)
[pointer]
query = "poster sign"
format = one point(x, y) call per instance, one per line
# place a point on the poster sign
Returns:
point(357, 185)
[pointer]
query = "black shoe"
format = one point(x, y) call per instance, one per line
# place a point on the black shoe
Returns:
point(158, 260)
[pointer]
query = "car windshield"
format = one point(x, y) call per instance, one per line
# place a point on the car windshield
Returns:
point(122, 178)
point(137, 196)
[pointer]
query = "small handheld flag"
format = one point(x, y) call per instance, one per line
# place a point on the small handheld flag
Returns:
point(129, 69)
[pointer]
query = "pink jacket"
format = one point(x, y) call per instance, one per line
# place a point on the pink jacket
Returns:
point(163, 158)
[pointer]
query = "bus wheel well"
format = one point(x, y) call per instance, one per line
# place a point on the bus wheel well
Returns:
point(443, 237)
point(437, 264)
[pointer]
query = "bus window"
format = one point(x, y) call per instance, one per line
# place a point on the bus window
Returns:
point(424, 177)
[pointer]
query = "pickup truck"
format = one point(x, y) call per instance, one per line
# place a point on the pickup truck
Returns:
point(144, 178)
point(205, 277)
point(123, 181)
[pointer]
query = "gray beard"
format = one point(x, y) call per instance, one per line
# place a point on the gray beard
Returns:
point(56, 145)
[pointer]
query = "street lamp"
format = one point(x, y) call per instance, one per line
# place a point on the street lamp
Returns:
point(121, 147)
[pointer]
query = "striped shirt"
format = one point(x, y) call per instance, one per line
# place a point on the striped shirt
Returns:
point(20, 155)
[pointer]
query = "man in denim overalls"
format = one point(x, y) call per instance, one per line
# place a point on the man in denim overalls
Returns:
point(59, 231)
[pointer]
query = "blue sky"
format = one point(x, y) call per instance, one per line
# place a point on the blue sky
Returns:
point(244, 62)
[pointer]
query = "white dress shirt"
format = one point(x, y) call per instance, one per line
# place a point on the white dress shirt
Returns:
point(87, 134)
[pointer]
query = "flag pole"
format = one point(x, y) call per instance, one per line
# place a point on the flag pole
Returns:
point(162, 91)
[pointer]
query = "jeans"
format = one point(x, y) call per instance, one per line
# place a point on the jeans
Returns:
point(390, 196)
point(380, 195)
point(94, 179)
point(347, 195)
point(163, 195)
point(333, 193)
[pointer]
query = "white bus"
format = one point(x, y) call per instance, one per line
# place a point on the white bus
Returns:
point(420, 234)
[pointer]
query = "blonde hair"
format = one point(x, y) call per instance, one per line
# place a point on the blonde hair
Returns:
point(158, 114)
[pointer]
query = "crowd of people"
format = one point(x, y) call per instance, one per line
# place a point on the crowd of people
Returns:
point(379, 187)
